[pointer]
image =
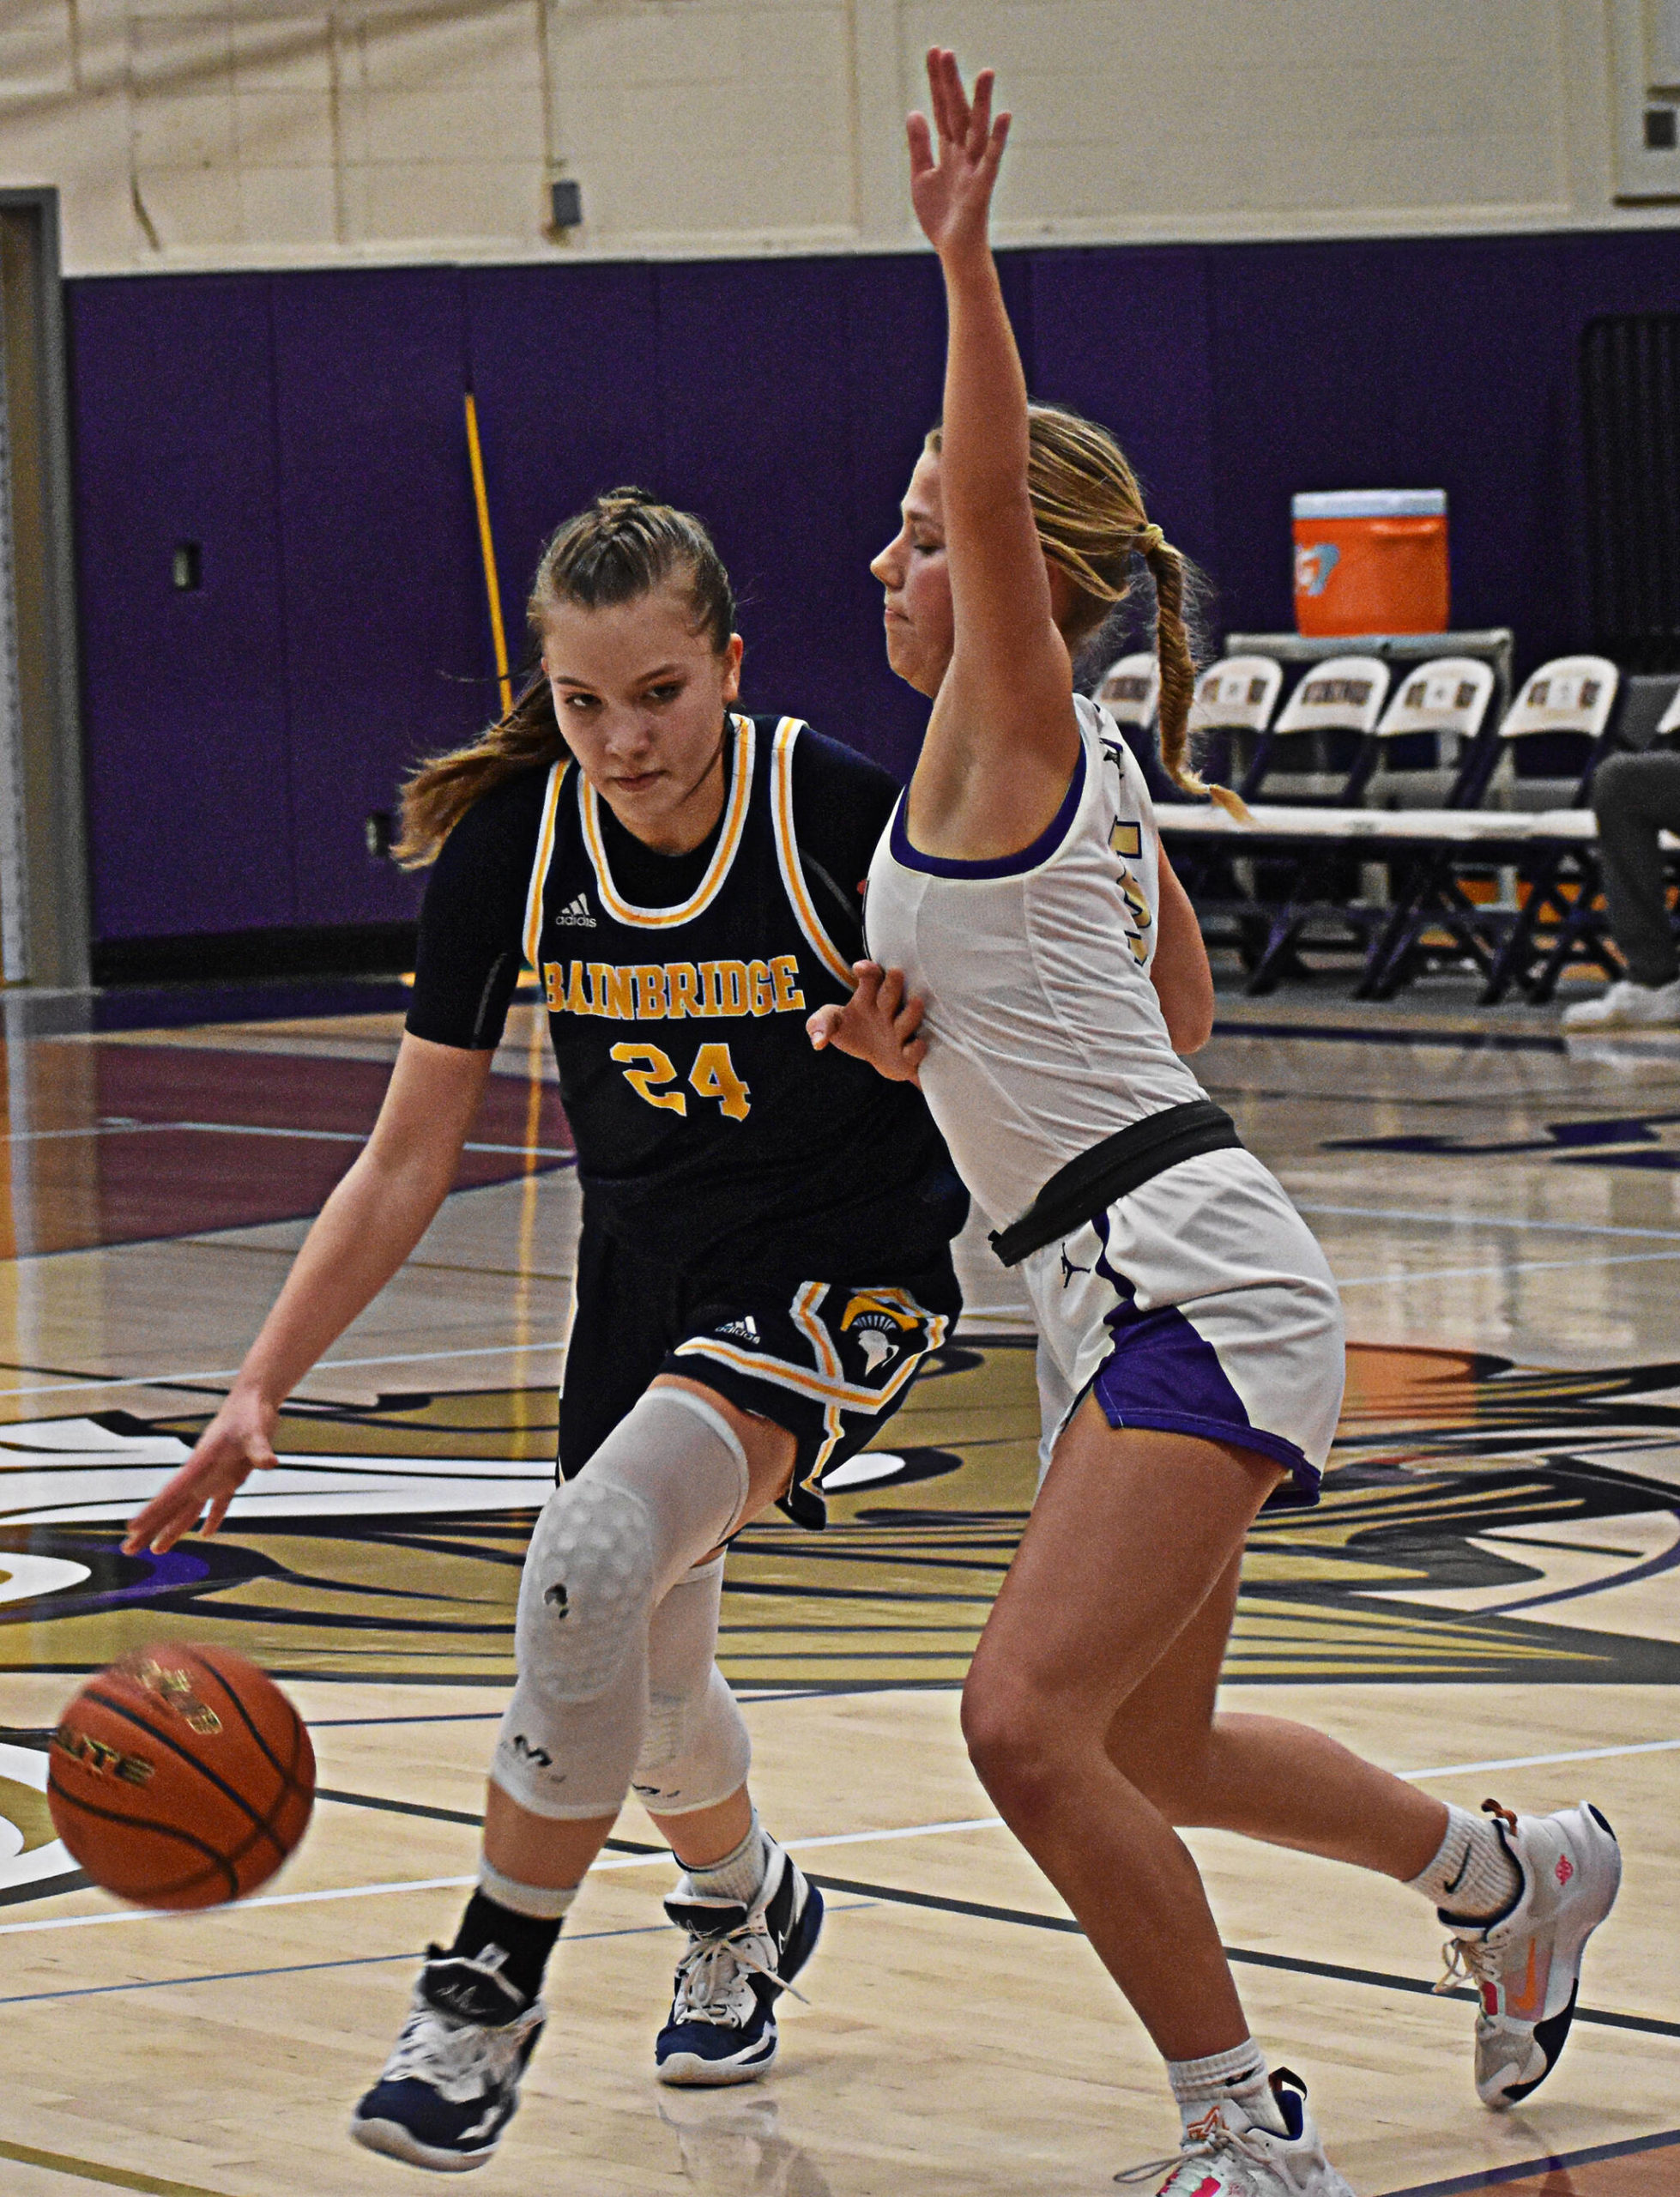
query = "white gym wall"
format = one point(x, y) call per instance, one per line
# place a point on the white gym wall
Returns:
point(249, 133)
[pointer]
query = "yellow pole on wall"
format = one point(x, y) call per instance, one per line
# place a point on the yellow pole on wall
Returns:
point(487, 541)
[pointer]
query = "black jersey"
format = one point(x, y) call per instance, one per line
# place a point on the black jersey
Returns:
point(709, 1133)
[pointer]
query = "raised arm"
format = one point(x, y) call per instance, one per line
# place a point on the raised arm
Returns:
point(364, 1232)
point(1003, 738)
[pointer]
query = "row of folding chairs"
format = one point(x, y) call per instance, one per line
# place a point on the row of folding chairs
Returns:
point(1413, 824)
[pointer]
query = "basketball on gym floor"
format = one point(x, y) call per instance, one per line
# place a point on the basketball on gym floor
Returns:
point(180, 1777)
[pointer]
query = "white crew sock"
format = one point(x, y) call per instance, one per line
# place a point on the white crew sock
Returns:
point(739, 1876)
point(536, 1902)
point(1472, 1878)
point(1235, 2082)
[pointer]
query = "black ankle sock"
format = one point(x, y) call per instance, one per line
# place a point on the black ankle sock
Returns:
point(526, 1939)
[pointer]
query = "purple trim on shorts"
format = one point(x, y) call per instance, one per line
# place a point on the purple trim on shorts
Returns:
point(1305, 1475)
point(908, 857)
point(1162, 1373)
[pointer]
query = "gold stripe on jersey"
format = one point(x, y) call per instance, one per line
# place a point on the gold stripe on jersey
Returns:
point(545, 855)
point(824, 1388)
point(735, 823)
point(851, 1396)
point(787, 853)
point(803, 1309)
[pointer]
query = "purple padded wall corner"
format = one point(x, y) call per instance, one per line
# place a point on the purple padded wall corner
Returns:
point(566, 372)
point(189, 798)
point(387, 652)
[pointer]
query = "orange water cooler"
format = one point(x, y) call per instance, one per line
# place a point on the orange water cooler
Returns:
point(1371, 561)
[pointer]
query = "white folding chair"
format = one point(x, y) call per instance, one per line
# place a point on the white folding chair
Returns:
point(1317, 748)
point(1544, 757)
point(1550, 741)
point(1429, 732)
point(1232, 712)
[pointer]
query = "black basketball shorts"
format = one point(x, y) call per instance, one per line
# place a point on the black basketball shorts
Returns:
point(831, 1361)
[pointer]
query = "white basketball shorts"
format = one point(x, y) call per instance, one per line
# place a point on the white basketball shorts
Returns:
point(1199, 1303)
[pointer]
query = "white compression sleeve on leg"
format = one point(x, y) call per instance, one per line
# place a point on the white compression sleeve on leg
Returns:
point(667, 1484)
point(697, 1751)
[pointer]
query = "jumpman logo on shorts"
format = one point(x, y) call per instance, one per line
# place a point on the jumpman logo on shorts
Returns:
point(1068, 1269)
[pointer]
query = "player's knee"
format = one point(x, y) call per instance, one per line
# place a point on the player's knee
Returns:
point(1016, 1741)
point(697, 1751)
point(586, 1591)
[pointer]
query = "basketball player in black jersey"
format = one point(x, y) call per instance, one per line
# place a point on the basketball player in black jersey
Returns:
point(763, 1264)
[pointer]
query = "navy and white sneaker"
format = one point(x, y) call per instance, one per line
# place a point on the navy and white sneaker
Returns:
point(740, 1960)
point(452, 2084)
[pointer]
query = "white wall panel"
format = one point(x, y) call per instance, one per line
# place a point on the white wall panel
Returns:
point(240, 132)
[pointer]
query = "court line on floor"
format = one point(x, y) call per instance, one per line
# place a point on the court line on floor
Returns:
point(91, 2171)
point(1332, 1971)
point(358, 1960)
point(1534, 1761)
point(323, 1365)
point(1478, 1041)
point(623, 1854)
point(292, 1968)
point(1487, 1221)
point(626, 1855)
point(251, 1128)
point(641, 1856)
point(1505, 1267)
point(1493, 2177)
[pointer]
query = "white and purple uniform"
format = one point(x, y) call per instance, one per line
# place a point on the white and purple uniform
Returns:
point(1198, 1302)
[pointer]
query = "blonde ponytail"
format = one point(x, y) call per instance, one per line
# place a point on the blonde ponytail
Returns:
point(1089, 510)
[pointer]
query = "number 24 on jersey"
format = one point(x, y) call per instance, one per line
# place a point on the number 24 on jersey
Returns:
point(712, 1076)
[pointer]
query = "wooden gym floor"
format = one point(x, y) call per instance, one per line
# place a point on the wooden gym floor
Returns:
point(1486, 1600)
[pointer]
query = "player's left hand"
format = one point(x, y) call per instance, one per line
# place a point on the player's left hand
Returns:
point(878, 1024)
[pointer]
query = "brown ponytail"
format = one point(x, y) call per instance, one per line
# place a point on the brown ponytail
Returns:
point(623, 545)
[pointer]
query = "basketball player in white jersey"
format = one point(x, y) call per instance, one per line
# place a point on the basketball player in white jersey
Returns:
point(1191, 1353)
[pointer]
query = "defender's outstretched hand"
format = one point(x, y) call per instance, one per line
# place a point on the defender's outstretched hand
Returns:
point(953, 193)
point(877, 1024)
point(236, 1443)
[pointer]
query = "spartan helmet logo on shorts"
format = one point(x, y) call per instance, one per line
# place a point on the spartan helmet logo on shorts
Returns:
point(557, 1598)
point(878, 1320)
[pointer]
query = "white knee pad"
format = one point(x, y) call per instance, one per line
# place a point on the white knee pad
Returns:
point(696, 1751)
point(667, 1484)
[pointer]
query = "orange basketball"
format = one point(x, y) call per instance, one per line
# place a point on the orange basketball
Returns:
point(180, 1777)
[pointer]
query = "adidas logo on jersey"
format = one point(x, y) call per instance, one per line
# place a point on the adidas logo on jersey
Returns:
point(576, 911)
point(745, 1329)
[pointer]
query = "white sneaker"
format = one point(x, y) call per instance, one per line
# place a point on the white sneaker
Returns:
point(1526, 1962)
point(1628, 1006)
point(1219, 2160)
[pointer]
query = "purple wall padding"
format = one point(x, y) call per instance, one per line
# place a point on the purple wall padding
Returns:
point(189, 796)
point(387, 655)
point(308, 430)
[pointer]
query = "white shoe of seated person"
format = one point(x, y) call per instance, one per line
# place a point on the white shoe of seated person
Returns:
point(1628, 1006)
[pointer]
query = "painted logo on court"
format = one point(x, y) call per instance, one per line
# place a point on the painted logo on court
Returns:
point(33, 1862)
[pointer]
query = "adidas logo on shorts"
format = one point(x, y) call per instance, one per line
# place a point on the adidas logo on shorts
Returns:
point(576, 911)
point(745, 1329)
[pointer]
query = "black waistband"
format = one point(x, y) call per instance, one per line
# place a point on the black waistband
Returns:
point(1085, 1186)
